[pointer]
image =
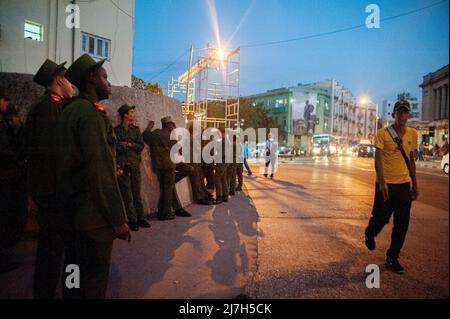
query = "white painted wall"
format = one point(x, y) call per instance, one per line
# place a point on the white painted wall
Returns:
point(100, 17)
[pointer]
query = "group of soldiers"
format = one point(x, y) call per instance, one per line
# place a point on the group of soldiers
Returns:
point(82, 177)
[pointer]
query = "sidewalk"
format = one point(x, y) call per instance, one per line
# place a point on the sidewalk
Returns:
point(429, 164)
point(211, 255)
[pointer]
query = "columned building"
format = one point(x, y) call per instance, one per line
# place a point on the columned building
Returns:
point(435, 104)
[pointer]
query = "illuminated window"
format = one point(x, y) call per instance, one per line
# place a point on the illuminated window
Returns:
point(33, 31)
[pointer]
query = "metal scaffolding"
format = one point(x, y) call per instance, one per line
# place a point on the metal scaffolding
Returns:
point(209, 89)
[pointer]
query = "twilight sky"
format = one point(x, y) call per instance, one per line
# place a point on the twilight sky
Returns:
point(376, 62)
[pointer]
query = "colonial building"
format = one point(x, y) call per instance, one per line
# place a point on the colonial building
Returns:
point(32, 31)
point(435, 104)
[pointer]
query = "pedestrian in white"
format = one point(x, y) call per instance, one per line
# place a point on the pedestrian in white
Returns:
point(270, 156)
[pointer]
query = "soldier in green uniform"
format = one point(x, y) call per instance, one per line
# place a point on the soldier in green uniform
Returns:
point(220, 175)
point(232, 171)
point(40, 133)
point(88, 193)
point(160, 146)
point(13, 200)
point(129, 148)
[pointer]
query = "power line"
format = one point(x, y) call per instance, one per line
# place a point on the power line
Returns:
point(117, 6)
point(317, 35)
point(169, 66)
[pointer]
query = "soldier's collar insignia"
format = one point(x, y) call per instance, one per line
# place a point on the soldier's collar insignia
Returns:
point(100, 107)
point(55, 98)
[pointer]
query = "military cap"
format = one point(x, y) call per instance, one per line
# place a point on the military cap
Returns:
point(167, 120)
point(125, 108)
point(78, 70)
point(47, 71)
point(3, 94)
point(402, 104)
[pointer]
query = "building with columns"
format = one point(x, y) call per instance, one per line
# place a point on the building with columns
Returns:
point(435, 104)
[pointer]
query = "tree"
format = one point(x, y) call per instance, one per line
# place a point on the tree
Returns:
point(138, 83)
point(154, 88)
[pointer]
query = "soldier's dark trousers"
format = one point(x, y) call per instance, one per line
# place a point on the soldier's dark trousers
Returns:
point(399, 204)
point(127, 196)
point(220, 180)
point(13, 213)
point(54, 252)
point(231, 175)
point(93, 256)
point(136, 191)
point(208, 171)
point(167, 196)
point(240, 173)
point(189, 170)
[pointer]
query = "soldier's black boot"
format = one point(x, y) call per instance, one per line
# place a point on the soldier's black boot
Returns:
point(143, 223)
point(182, 213)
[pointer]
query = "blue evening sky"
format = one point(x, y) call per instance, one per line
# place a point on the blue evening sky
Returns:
point(376, 62)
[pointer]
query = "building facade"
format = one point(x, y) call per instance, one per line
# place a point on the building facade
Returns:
point(325, 107)
point(32, 31)
point(435, 105)
point(388, 108)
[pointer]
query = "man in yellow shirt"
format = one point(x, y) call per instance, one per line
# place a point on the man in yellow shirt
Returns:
point(396, 185)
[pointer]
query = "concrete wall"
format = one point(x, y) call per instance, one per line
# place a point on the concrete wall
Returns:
point(150, 106)
point(100, 18)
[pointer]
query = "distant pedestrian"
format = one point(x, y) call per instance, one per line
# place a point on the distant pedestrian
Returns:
point(396, 185)
point(270, 156)
point(245, 156)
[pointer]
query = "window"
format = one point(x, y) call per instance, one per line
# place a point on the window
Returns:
point(95, 46)
point(33, 31)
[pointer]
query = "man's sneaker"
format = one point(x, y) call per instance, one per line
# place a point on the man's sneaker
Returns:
point(143, 223)
point(395, 265)
point(370, 243)
point(182, 213)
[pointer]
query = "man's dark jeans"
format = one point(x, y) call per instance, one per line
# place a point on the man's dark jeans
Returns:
point(399, 203)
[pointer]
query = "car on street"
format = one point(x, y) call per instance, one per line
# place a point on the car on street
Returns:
point(444, 164)
point(366, 149)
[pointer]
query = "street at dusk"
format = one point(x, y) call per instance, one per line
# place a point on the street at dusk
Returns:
point(236, 158)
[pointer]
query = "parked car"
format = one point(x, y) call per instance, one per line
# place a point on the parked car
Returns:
point(366, 149)
point(444, 164)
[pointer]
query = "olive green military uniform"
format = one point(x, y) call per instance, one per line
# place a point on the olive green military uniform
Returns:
point(160, 145)
point(232, 172)
point(221, 177)
point(13, 197)
point(88, 191)
point(53, 241)
point(40, 135)
point(130, 157)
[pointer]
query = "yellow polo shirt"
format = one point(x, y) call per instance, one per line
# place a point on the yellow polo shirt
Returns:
point(394, 167)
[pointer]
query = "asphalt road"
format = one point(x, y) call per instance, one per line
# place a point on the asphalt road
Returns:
point(312, 220)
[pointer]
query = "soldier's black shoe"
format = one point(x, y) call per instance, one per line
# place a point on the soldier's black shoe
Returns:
point(143, 223)
point(370, 243)
point(225, 198)
point(271, 176)
point(232, 193)
point(218, 201)
point(239, 189)
point(133, 226)
point(183, 213)
point(166, 217)
point(395, 265)
point(265, 175)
